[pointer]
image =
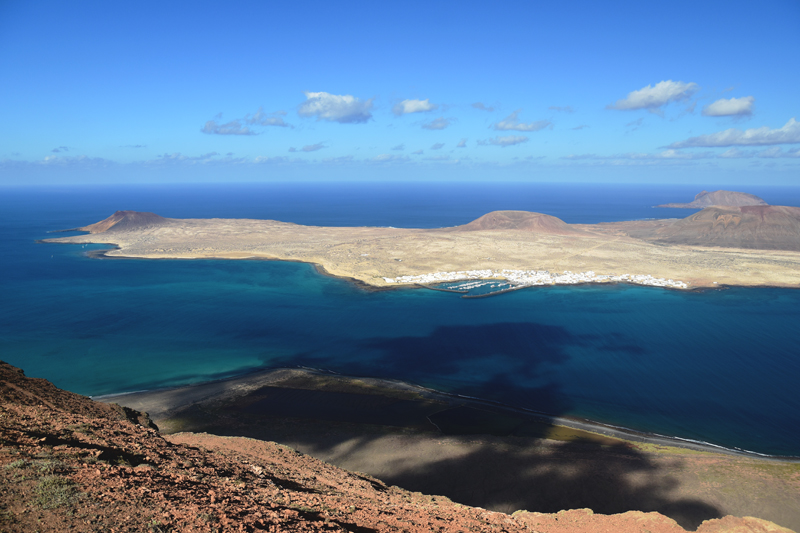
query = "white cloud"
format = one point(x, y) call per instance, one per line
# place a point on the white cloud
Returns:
point(775, 153)
point(512, 123)
point(653, 98)
point(437, 124)
point(413, 106)
point(582, 126)
point(267, 119)
point(234, 127)
point(178, 157)
point(437, 158)
point(437, 146)
point(265, 159)
point(763, 136)
point(78, 161)
point(482, 106)
point(735, 153)
point(338, 160)
point(462, 143)
point(730, 107)
point(508, 140)
point(666, 154)
point(672, 154)
point(576, 157)
point(309, 148)
point(418, 152)
point(634, 124)
point(399, 147)
point(344, 109)
point(389, 158)
point(565, 109)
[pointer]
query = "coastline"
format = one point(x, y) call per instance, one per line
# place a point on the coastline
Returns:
point(368, 257)
point(366, 286)
point(168, 402)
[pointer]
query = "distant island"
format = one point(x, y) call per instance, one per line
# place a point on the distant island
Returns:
point(748, 245)
point(727, 198)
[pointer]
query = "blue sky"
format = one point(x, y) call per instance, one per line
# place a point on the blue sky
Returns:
point(683, 92)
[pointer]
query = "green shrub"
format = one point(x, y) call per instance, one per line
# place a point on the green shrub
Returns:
point(54, 491)
point(50, 466)
point(19, 463)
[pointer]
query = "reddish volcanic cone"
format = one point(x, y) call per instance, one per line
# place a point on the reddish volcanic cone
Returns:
point(520, 220)
point(766, 227)
point(126, 220)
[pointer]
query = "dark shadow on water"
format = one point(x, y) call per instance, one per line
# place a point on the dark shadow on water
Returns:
point(573, 475)
point(502, 362)
point(515, 469)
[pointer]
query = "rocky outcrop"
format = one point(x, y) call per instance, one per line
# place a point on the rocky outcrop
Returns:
point(68, 463)
point(729, 198)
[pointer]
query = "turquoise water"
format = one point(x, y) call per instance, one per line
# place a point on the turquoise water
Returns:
point(718, 366)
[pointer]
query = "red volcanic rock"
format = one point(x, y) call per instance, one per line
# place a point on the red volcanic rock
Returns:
point(126, 220)
point(68, 463)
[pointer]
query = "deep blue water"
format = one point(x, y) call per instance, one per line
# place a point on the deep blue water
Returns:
point(718, 366)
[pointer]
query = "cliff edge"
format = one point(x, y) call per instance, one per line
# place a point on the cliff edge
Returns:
point(69, 463)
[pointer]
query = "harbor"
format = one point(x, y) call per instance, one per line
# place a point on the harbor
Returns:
point(510, 280)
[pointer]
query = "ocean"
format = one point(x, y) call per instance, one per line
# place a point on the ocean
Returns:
point(720, 366)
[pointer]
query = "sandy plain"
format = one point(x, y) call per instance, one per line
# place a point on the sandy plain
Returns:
point(370, 254)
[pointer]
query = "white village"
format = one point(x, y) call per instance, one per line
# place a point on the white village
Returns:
point(528, 278)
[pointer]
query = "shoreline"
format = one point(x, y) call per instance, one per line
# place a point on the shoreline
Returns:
point(386, 386)
point(102, 254)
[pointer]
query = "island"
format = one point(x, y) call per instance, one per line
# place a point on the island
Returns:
point(756, 245)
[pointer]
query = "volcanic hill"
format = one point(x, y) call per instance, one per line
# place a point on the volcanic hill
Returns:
point(520, 220)
point(763, 227)
point(729, 198)
point(69, 463)
point(126, 221)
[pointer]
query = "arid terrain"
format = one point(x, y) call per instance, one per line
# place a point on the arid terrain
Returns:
point(69, 463)
point(746, 246)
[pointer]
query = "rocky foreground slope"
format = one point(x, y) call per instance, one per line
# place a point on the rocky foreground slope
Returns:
point(68, 463)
